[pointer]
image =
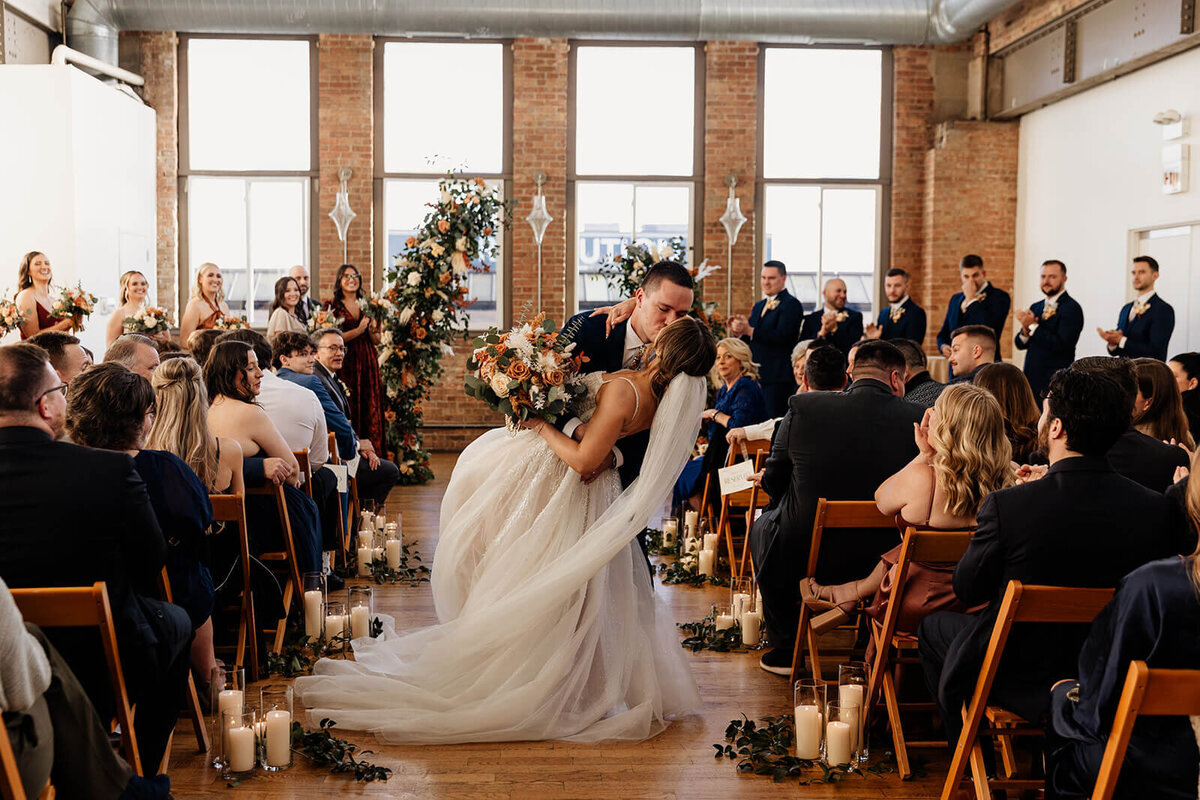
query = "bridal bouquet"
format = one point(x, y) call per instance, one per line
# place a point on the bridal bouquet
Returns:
point(74, 303)
point(148, 320)
point(228, 322)
point(528, 372)
point(321, 319)
point(11, 316)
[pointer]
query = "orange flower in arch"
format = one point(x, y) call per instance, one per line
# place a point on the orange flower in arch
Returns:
point(443, 225)
point(410, 241)
point(419, 333)
point(389, 415)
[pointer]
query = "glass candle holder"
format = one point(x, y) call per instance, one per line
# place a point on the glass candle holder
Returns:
point(810, 718)
point(239, 742)
point(393, 545)
point(335, 626)
point(864, 740)
point(708, 560)
point(365, 551)
point(852, 695)
point(722, 618)
point(691, 524)
point(741, 593)
point(839, 725)
point(670, 534)
point(752, 623)
point(361, 604)
point(316, 592)
point(228, 693)
point(275, 709)
point(379, 544)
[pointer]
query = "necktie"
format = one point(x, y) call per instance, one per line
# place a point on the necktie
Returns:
point(638, 357)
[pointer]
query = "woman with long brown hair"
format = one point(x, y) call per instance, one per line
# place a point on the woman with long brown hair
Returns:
point(1158, 409)
point(33, 296)
point(1011, 389)
point(360, 370)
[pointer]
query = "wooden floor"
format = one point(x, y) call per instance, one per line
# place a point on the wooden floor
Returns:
point(677, 763)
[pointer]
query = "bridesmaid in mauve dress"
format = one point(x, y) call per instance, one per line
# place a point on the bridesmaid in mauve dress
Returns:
point(360, 372)
point(33, 296)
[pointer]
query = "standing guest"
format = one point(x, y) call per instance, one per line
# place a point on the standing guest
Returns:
point(120, 543)
point(1144, 326)
point(903, 318)
point(1050, 328)
point(1075, 526)
point(839, 446)
point(772, 331)
point(739, 403)
point(972, 346)
point(1186, 368)
point(285, 308)
point(33, 296)
point(201, 342)
point(979, 303)
point(834, 323)
point(135, 352)
point(1009, 386)
point(307, 305)
point(134, 288)
point(207, 303)
point(67, 356)
point(360, 367)
point(920, 387)
point(181, 427)
point(1158, 408)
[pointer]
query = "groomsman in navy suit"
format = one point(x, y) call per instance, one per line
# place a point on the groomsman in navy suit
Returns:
point(1050, 329)
point(903, 318)
point(772, 331)
point(834, 323)
point(1144, 326)
point(979, 303)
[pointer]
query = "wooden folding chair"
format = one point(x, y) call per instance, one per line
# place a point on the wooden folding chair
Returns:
point(1148, 693)
point(759, 499)
point(86, 607)
point(231, 510)
point(893, 647)
point(1021, 603)
point(739, 502)
point(11, 787)
point(191, 699)
point(830, 514)
point(305, 470)
point(343, 533)
point(285, 559)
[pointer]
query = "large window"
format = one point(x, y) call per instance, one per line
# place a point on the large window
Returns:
point(420, 144)
point(634, 169)
point(823, 169)
point(247, 163)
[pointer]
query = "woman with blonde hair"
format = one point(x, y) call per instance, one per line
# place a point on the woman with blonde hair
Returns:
point(207, 303)
point(133, 296)
point(33, 296)
point(964, 455)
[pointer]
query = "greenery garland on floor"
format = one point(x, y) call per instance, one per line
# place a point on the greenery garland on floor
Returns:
point(685, 570)
point(764, 749)
point(423, 307)
point(326, 750)
point(703, 635)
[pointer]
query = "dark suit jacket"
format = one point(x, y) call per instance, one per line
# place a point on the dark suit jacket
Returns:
point(604, 353)
point(775, 334)
point(1080, 525)
point(992, 311)
point(843, 338)
point(334, 388)
point(1147, 335)
point(306, 308)
point(911, 324)
point(71, 516)
point(840, 446)
point(1146, 460)
point(335, 417)
point(1052, 344)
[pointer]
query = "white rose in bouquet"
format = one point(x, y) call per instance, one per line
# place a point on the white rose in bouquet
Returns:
point(438, 315)
point(414, 278)
point(500, 384)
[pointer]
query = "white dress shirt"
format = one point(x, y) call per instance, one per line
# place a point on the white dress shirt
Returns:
point(896, 305)
point(1140, 300)
point(987, 285)
point(633, 343)
point(298, 416)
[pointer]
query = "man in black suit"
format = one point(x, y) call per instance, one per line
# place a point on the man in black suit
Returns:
point(45, 540)
point(1050, 328)
point(979, 303)
point(1145, 325)
point(1081, 524)
point(919, 386)
point(772, 331)
point(307, 305)
point(833, 323)
point(903, 318)
point(840, 446)
point(972, 347)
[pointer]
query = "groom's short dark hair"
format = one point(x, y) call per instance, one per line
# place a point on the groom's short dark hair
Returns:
point(671, 271)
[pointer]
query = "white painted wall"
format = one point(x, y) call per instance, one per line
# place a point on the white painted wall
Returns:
point(1088, 176)
point(77, 181)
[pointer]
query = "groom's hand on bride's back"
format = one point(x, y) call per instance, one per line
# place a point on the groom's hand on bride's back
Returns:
point(604, 467)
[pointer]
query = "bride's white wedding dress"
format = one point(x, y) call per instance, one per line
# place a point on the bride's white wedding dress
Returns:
point(548, 624)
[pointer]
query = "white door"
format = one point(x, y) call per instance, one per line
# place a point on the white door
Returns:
point(1177, 251)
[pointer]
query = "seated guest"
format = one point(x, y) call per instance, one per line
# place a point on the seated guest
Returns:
point(119, 543)
point(827, 374)
point(284, 308)
point(294, 357)
point(52, 725)
point(111, 408)
point(181, 427)
point(739, 403)
point(833, 323)
point(1158, 409)
point(1153, 617)
point(1010, 387)
point(963, 456)
point(903, 318)
point(137, 353)
point(839, 446)
point(67, 356)
point(919, 386)
point(200, 343)
point(1081, 524)
point(1186, 368)
point(772, 329)
point(970, 348)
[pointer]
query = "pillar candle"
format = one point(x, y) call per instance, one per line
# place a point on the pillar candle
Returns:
point(380, 522)
point(670, 532)
point(837, 743)
point(241, 749)
point(724, 622)
point(314, 613)
point(360, 622)
point(367, 523)
point(710, 541)
point(335, 625)
point(365, 538)
point(279, 738)
point(377, 554)
point(691, 521)
point(395, 549)
point(751, 628)
point(741, 602)
point(808, 732)
point(230, 700)
point(364, 561)
point(850, 696)
point(706, 562)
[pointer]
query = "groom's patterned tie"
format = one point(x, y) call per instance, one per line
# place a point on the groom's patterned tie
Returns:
point(638, 357)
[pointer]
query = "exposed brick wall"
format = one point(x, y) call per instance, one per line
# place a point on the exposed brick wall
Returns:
point(730, 147)
point(1026, 17)
point(346, 138)
point(152, 54)
point(912, 136)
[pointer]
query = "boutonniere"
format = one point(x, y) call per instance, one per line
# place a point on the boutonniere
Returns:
point(897, 313)
point(772, 304)
point(1140, 308)
point(841, 316)
point(345, 388)
point(981, 296)
point(1048, 312)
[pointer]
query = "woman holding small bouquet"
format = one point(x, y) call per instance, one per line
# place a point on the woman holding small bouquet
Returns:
point(133, 315)
point(33, 297)
point(360, 371)
point(283, 308)
point(207, 305)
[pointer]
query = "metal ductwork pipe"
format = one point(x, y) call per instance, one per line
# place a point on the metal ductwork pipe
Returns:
point(92, 29)
point(794, 21)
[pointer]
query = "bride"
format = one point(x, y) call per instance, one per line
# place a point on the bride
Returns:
point(549, 627)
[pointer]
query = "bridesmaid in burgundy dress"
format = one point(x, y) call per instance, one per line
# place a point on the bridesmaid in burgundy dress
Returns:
point(33, 296)
point(360, 372)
